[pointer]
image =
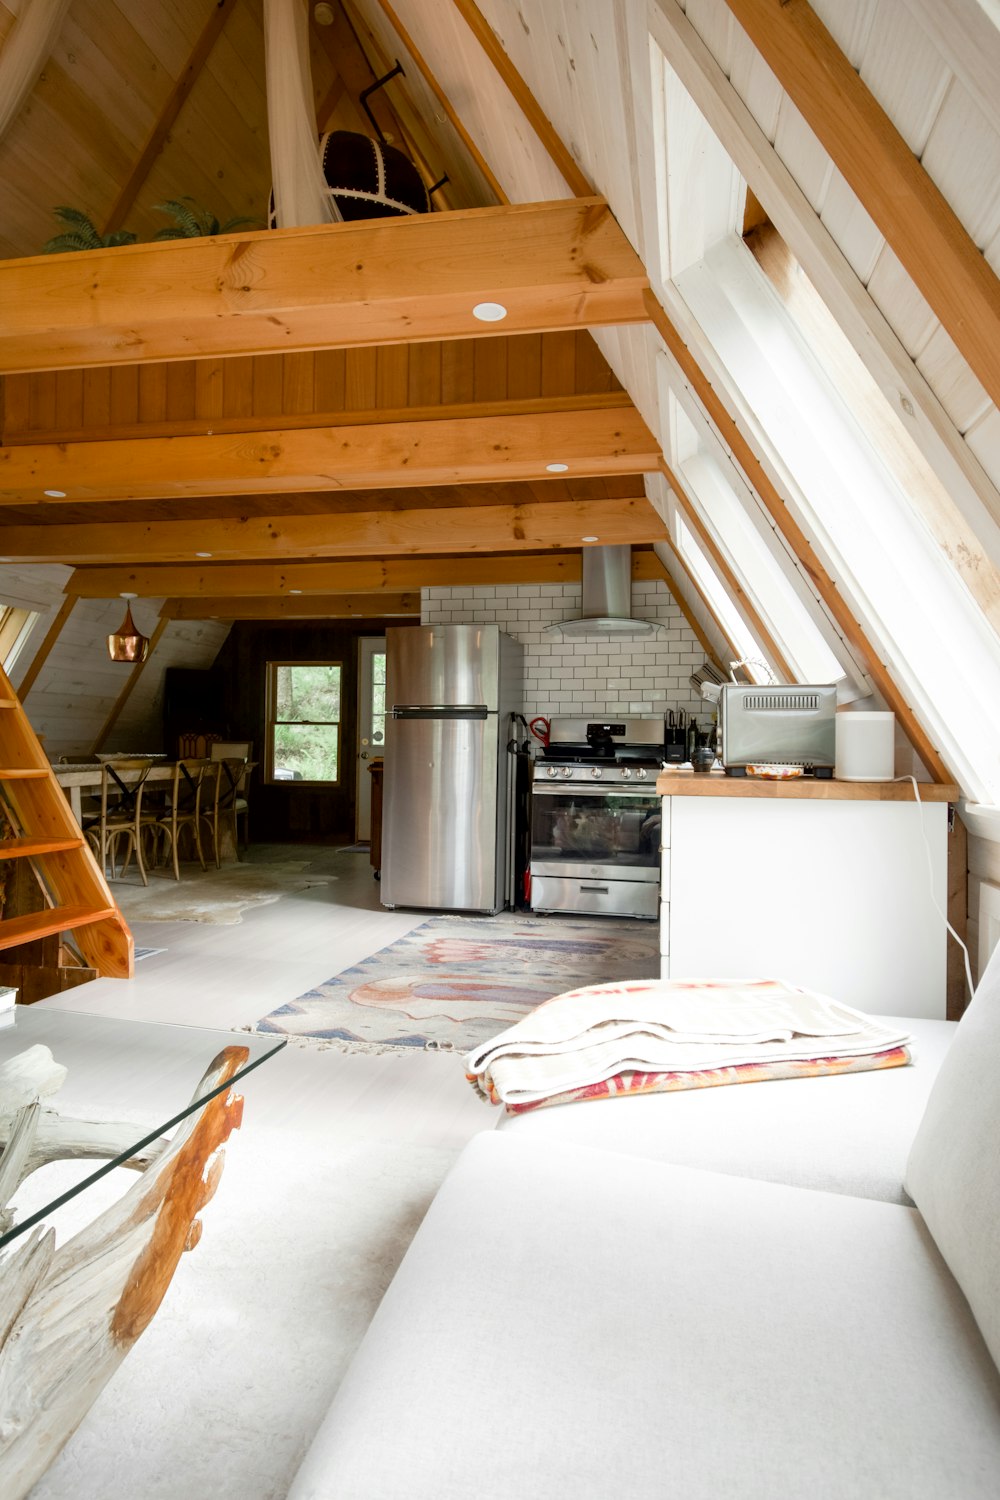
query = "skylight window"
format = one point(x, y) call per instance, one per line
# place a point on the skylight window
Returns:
point(719, 601)
point(941, 650)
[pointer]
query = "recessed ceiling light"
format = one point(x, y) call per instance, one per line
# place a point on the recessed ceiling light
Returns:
point(590, 539)
point(556, 468)
point(203, 554)
point(128, 596)
point(56, 494)
point(295, 591)
point(489, 312)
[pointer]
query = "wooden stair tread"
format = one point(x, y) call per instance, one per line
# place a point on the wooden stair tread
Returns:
point(23, 773)
point(8, 703)
point(19, 848)
point(38, 924)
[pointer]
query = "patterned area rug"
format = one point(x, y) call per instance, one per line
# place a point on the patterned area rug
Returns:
point(455, 981)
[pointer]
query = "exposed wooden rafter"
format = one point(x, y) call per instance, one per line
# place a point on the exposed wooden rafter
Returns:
point(918, 223)
point(369, 533)
point(393, 455)
point(376, 281)
point(282, 580)
point(300, 607)
point(387, 456)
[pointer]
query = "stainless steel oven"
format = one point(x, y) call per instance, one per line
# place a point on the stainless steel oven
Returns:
point(595, 821)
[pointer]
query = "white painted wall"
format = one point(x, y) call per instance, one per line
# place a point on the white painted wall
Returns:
point(619, 674)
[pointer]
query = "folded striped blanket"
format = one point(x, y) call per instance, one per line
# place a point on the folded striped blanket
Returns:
point(643, 1036)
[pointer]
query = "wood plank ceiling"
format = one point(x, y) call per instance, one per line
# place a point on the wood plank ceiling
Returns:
point(276, 397)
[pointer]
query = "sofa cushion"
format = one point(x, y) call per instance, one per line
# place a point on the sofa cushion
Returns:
point(569, 1321)
point(845, 1134)
point(953, 1174)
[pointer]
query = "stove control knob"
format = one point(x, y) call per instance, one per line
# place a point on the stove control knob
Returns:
point(566, 773)
point(596, 772)
point(642, 773)
point(551, 772)
point(626, 773)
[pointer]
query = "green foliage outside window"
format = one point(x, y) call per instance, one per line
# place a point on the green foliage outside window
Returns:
point(306, 721)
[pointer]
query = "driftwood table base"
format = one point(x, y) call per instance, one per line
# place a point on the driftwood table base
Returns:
point(69, 1315)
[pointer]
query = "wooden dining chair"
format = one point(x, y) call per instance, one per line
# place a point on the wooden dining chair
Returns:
point(226, 805)
point(118, 814)
point(233, 751)
point(182, 810)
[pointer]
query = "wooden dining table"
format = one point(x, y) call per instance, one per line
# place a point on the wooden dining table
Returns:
point(76, 776)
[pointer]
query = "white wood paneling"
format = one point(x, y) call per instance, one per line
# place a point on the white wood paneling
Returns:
point(802, 154)
point(966, 35)
point(905, 72)
point(983, 438)
point(714, 23)
point(849, 22)
point(905, 308)
point(756, 84)
point(968, 175)
point(958, 390)
point(853, 230)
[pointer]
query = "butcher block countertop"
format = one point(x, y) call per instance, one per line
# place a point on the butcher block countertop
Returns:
point(682, 783)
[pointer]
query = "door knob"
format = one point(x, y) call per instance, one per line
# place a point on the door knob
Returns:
point(363, 755)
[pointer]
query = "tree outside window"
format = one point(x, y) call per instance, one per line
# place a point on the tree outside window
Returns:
point(304, 721)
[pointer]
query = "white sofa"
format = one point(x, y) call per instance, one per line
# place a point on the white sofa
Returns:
point(721, 1295)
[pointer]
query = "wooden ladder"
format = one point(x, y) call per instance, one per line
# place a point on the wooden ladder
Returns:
point(46, 833)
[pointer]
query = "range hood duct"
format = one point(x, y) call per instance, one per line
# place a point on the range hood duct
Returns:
point(607, 597)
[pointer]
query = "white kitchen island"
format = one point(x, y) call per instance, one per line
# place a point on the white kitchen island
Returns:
point(826, 884)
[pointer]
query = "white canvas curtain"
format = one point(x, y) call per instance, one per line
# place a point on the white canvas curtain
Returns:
point(26, 51)
point(300, 191)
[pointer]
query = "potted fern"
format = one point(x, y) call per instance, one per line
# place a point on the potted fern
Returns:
point(192, 221)
point(83, 234)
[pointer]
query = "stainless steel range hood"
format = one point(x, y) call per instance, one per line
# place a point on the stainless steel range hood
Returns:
point(607, 597)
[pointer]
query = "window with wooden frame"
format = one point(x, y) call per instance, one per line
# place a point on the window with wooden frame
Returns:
point(303, 721)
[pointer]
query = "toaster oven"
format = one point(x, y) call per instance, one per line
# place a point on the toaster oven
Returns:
point(777, 725)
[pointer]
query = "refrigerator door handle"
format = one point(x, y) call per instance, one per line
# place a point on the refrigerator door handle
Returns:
point(440, 711)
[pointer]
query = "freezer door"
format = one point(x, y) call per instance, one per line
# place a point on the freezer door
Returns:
point(443, 664)
point(439, 823)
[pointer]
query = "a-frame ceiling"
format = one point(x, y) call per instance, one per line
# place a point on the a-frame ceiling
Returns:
point(322, 398)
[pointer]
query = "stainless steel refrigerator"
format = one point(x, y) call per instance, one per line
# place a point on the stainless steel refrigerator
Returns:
point(449, 692)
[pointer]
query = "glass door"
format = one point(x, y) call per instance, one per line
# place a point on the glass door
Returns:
point(371, 726)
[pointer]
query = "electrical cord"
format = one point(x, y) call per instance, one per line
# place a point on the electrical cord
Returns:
point(930, 871)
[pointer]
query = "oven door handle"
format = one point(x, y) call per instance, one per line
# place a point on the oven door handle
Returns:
point(588, 789)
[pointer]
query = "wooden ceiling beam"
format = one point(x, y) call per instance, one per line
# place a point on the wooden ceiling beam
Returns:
point(375, 281)
point(374, 533)
point(388, 456)
point(304, 607)
point(918, 223)
point(388, 576)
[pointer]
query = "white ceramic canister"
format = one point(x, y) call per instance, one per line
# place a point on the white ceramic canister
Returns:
point(865, 746)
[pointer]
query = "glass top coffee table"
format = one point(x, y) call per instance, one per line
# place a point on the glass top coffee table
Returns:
point(139, 1078)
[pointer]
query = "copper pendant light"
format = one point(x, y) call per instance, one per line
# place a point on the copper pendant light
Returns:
point(127, 643)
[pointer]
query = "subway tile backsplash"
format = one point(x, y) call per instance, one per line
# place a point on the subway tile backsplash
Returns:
point(620, 674)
